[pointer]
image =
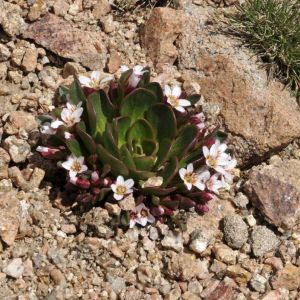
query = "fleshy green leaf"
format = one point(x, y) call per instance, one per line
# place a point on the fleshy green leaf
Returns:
point(184, 141)
point(162, 118)
point(194, 98)
point(149, 146)
point(156, 89)
point(144, 163)
point(126, 157)
point(158, 191)
point(109, 141)
point(125, 218)
point(141, 175)
point(140, 129)
point(163, 152)
point(120, 128)
point(136, 103)
point(170, 171)
point(117, 166)
point(74, 146)
point(76, 93)
point(108, 108)
point(97, 117)
point(86, 138)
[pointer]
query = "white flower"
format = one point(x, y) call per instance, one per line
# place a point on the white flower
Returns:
point(71, 114)
point(47, 129)
point(190, 178)
point(55, 124)
point(138, 72)
point(212, 183)
point(140, 215)
point(216, 157)
point(68, 135)
point(75, 165)
point(122, 187)
point(153, 182)
point(173, 98)
point(95, 80)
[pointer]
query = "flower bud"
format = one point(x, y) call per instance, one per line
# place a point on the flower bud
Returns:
point(80, 182)
point(157, 211)
point(47, 152)
point(209, 142)
point(85, 198)
point(202, 209)
point(206, 196)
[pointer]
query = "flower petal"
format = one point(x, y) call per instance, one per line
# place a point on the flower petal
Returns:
point(180, 108)
point(190, 168)
point(182, 173)
point(183, 102)
point(205, 151)
point(113, 187)
point(118, 197)
point(120, 180)
point(95, 75)
point(129, 183)
point(84, 80)
point(167, 91)
point(176, 91)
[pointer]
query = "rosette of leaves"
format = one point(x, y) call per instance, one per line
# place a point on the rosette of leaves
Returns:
point(135, 133)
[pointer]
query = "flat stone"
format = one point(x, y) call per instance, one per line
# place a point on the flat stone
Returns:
point(173, 240)
point(9, 217)
point(288, 277)
point(21, 119)
point(235, 231)
point(160, 32)
point(275, 191)
point(62, 38)
point(263, 240)
point(10, 18)
point(15, 268)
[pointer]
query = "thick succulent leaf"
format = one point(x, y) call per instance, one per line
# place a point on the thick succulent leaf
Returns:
point(126, 157)
point(156, 89)
point(117, 166)
point(136, 103)
point(184, 141)
point(141, 175)
point(144, 81)
point(144, 163)
point(74, 146)
point(125, 218)
point(123, 81)
point(63, 92)
point(87, 140)
point(120, 128)
point(110, 142)
point(149, 146)
point(103, 193)
point(140, 129)
point(194, 98)
point(56, 112)
point(96, 115)
point(191, 158)
point(163, 121)
point(158, 191)
point(170, 171)
point(109, 109)
point(172, 204)
point(105, 170)
point(163, 152)
point(76, 92)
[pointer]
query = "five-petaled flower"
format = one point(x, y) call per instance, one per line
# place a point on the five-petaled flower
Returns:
point(217, 159)
point(173, 98)
point(75, 165)
point(212, 183)
point(95, 80)
point(122, 187)
point(70, 115)
point(141, 215)
point(190, 178)
point(137, 73)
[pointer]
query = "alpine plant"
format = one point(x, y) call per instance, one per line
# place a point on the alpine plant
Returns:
point(131, 142)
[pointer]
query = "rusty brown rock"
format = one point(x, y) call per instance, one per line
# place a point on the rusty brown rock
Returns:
point(4, 160)
point(21, 119)
point(9, 217)
point(260, 116)
point(275, 191)
point(222, 292)
point(114, 62)
point(101, 8)
point(288, 277)
point(160, 32)
point(239, 274)
point(59, 36)
point(38, 8)
point(29, 61)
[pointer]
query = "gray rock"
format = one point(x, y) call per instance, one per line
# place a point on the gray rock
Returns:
point(117, 283)
point(263, 240)
point(258, 283)
point(173, 240)
point(17, 148)
point(235, 231)
point(241, 200)
point(198, 242)
point(15, 268)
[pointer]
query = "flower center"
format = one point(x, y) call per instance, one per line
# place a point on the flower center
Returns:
point(190, 178)
point(174, 101)
point(144, 213)
point(70, 120)
point(121, 190)
point(95, 83)
point(76, 166)
point(211, 161)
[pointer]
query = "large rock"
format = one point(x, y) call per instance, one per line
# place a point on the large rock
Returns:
point(275, 191)
point(259, 114)
point(160, 32)
point(62, 38)
point(288, 277)
point(11, 19)
point(9, 217)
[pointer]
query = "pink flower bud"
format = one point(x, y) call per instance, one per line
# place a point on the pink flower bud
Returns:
point(81, 183)
point(88, 90)
point(95, 177)
point(47, 152)
point(209, 142)
point(85, 198)
point(202, 209)
point(96, 191)
point(106, 181)
point(157, 211)
point(206, 196)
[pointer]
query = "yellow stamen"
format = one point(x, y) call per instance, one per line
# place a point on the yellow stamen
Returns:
point(121, 190)
point(174, 101)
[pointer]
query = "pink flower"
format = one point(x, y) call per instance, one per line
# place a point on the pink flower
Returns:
point(47, 152)
point(135, 77)
point(212, 183)
point(173, 98)
point(140, 215)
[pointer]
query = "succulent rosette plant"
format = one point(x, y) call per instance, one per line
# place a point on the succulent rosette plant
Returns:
point(135, 144)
